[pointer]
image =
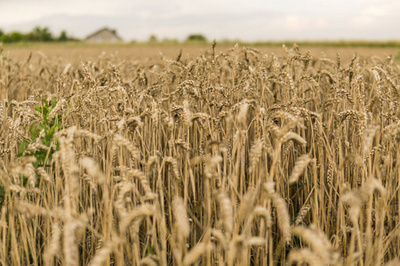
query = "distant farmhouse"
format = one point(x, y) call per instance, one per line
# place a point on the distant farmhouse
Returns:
point(104, 35)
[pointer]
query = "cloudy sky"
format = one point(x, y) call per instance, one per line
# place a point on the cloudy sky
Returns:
point(249, 20)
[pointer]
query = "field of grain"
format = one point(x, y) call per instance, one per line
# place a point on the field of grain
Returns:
point(235, 156)
point(74, 53)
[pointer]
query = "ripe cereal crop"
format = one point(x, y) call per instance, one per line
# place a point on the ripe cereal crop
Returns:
point(234, 157)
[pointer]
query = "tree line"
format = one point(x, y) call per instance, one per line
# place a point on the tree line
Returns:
point(43, 34)
point(37, 34)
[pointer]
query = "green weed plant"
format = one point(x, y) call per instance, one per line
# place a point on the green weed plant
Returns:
point(43, 132)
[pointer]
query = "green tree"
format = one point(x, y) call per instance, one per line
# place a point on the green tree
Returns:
point(153, 38)
point(196, 37)
point(13, 37)
point(39, 34)
point(63, 36)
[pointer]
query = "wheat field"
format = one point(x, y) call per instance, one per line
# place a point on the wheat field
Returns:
point(224, 158)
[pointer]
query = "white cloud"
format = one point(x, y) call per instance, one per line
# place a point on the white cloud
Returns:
point(377, 13)
point(296, 22)
point(16, 11)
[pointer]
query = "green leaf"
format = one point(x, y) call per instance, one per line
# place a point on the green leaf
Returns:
point(40, 156)
point(33, 131)
point(54, 102)
point(45, 111)
point(22, 147)
point(150, 250)
point(50, 133)
point(45, 102)
point(41, 126)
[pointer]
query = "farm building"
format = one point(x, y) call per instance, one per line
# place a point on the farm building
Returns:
point(104, 35)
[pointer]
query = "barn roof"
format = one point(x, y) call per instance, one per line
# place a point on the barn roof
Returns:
point(114, 32)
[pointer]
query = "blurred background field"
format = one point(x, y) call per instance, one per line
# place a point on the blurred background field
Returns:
point(75, 52)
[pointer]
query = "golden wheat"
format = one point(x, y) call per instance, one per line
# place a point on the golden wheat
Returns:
point(237, 158)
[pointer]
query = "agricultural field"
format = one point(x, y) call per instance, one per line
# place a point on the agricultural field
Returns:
point(75, 53)
point(209, 156)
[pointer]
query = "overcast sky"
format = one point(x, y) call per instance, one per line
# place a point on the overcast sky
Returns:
point(249, 20)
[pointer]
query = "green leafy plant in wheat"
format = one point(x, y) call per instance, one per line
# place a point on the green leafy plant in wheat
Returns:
point(43, 132)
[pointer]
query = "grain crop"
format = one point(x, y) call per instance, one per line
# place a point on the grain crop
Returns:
point(234, 157)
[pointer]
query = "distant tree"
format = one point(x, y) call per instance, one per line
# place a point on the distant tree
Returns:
point(39, 34)
point(3, 38)
point(153, 38)
point(63, 36)
point(196, 37)
point(13, 37)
